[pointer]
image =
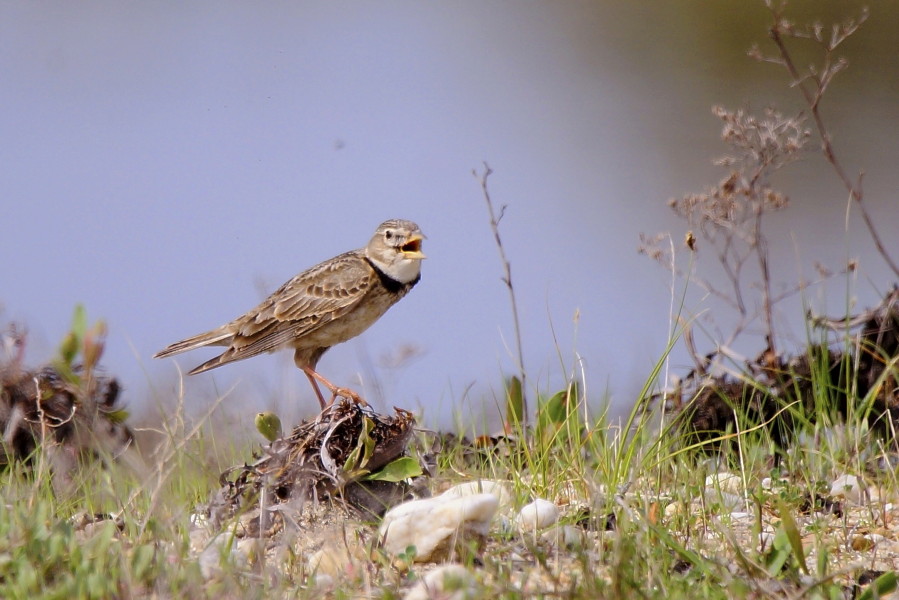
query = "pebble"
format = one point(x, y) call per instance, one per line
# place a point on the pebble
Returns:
point(849, 488)
point(726, 482)
point(499, 489)
point(728, 502)
point(537, 515)
point(432, 524)
point(567, 537)
point(447, 582)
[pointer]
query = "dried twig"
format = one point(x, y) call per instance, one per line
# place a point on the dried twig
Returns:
point(812, 85)
point(507, 278)
point(729, 216)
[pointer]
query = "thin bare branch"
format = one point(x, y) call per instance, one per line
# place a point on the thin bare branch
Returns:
point(812, 89)
point(495, 218)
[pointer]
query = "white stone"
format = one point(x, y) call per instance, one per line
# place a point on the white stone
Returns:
point(729, 502)
point(848, 487)
point(537, 515)
point(726, 482)
point(447, 582)
point(680, 508)
point(500, 489)
point(568, 537)
point(433, 525)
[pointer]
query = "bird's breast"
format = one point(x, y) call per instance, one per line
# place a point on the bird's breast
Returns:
point(368, 310)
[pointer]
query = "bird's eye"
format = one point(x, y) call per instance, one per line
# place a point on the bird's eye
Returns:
point(388, 234)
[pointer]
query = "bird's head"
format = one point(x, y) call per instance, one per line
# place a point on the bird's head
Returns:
point(396, 249)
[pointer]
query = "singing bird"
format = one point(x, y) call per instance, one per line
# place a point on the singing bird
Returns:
point(326, 305)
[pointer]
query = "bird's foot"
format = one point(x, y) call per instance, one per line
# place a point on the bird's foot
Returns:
point(315, 379)
point(340, 392)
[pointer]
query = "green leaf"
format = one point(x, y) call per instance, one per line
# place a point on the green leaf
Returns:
point(68, 349)
point(368, 425)
point(401, 469)
point(514, 402)
point(554, 409)
point(788, 524)
point(365, 446)
point(79, 322)
point(779, 553)
point(883, 585)
point(560, 406)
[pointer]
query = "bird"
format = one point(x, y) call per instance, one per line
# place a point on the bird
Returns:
point(323, 306)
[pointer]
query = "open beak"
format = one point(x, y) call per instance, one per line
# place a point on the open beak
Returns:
point(412, 248)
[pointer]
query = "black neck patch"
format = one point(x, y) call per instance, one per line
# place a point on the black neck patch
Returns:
point(390, 284)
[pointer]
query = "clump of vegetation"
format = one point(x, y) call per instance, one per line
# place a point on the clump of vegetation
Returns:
point(347, 453)
point(68, 406)
point(822, 385)
point(851, 375)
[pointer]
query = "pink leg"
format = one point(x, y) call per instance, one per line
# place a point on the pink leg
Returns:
point(315, 379)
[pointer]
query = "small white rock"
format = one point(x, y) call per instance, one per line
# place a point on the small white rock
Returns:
point(449, 582)
point(726, 490)
point(848, 487)
point(537, 515)
point(568, 537)
point(430, 524)
point(726, 482)
point(729, 502)
point(500, 489)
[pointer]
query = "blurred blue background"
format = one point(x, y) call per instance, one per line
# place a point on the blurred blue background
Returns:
point(170, 164)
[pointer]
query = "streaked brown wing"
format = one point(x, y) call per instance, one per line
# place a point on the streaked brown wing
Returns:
point(317, 296)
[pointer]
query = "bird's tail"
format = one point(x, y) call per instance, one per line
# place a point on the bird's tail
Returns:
point(222, 359)
point(216, 337)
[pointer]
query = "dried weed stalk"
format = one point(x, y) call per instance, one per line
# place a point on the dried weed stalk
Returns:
point(813, 82)
point(729, 216)
point(507, 280)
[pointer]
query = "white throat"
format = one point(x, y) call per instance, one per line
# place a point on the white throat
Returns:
point(400, 269)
